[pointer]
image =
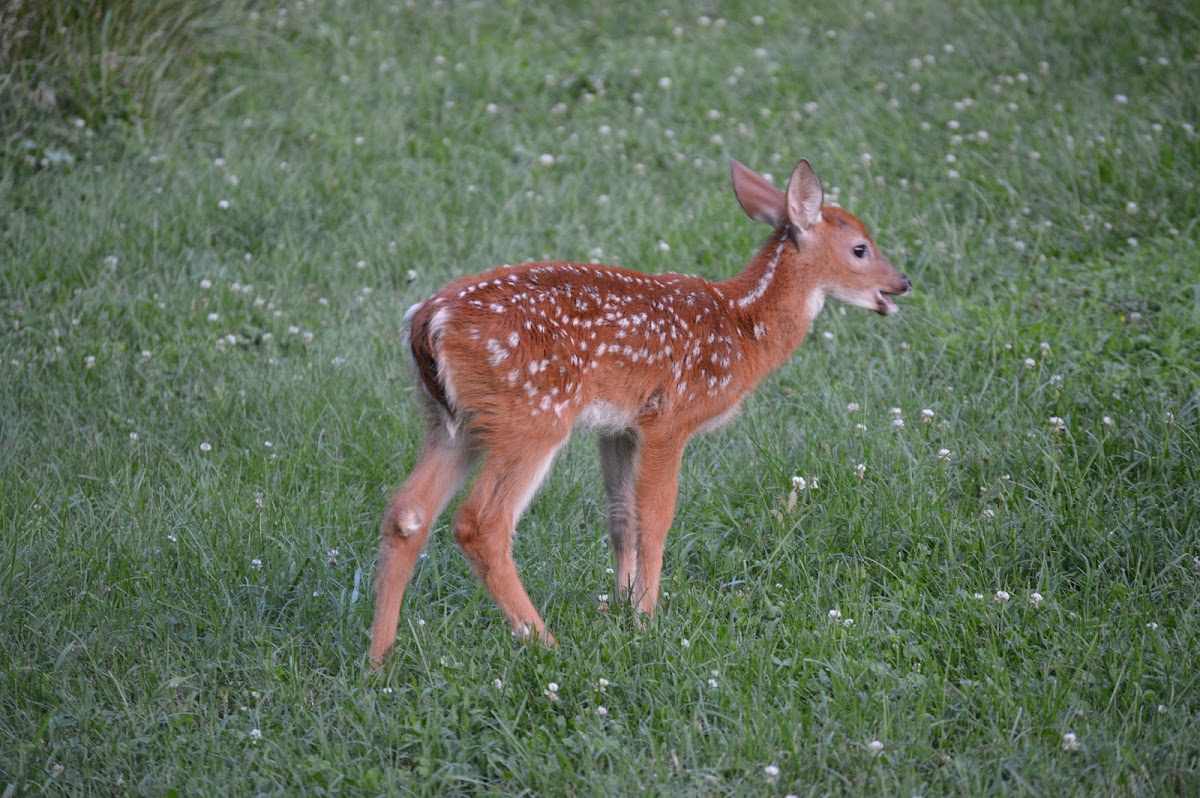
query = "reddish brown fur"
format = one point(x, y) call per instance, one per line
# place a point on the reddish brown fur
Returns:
point(511, 360)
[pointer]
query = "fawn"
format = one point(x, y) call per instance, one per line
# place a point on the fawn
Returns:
point(510, 361)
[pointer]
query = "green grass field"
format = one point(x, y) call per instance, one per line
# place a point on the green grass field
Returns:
point(205, 253)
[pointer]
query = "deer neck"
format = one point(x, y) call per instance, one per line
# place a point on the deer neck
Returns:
point(773, 301)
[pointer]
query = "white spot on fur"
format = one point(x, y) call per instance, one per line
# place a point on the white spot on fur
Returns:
point(720, 420)
point(816, 301)
point(406, 329)
point(764, 282)
point(532, 486)
point(410, 522)
point(605, 417)
point(440, 319)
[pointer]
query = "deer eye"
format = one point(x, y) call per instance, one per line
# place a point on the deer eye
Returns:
point(860, 251)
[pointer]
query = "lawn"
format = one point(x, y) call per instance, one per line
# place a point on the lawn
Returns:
point(212, 223)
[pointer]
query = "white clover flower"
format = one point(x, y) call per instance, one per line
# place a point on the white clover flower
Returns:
point(1070, 742)
point(771, 772)
point(685, 643)
point(498, 684)
point(387, 691)
point(989, 513)
point(1002, 596)
point(546, 159)
point(90, 361)
point(1152, 626)
point(1035, 599)
point(1057, 424)
point(223, 204)
point(1121, 99)
point(848, 623)
point(944, 455)
point(255, 735)
point(979, 597)
point(1030, 363)
point(602, 685)
point(835, 615)
point(927, 416)
point(663, 246)
point(898, 423)
point(602, 711)
point(256, 564)
point(852, 407)
point(860, 470)
point(664, 83)
point(551, 691)
point(875, 747)
point(172, 539)
point(860, 428)
point(206, 446)
point(896, 412)
point(1107, 421)
point(799, 483)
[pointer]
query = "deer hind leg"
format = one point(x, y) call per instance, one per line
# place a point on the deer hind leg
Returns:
point(659, 459)
point(439, 472)
point(486, 521)
point(618, 464)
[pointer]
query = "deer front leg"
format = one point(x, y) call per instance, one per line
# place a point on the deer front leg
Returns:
point(657, 489)
point(618, 464)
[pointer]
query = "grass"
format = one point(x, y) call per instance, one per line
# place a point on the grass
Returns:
point(167, 577)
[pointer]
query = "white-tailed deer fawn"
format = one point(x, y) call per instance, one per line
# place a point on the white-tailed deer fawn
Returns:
point(511, 361)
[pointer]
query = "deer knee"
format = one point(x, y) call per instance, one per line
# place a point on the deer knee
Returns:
point(471, 538)
point(401, 521)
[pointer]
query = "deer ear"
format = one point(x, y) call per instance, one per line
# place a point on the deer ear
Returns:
point(804, 197)
point(761, 201)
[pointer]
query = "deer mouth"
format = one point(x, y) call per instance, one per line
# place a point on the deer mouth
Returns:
point(884, 305)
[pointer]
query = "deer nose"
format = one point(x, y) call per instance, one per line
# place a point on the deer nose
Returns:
point(907, 284)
